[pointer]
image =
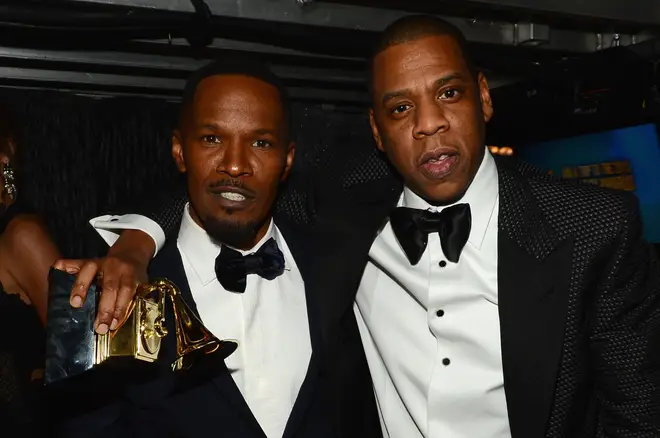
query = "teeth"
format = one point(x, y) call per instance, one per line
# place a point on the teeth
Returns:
point(440, 158)
point(232, 196)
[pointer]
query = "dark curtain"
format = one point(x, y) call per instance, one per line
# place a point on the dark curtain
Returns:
point(81, 156)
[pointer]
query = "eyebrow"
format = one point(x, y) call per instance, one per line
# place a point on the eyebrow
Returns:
point(210, 126)
point(264, 131)
point(439, 83)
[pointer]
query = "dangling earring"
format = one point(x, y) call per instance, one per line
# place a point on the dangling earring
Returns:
point(10, 187)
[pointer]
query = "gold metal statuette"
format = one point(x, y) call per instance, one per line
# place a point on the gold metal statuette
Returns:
point(192, 338)
point(73, 347)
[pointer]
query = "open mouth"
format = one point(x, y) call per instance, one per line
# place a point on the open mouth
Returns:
point(232, 195)
point(440, 164)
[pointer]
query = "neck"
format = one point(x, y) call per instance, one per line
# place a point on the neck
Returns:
point(251, 243)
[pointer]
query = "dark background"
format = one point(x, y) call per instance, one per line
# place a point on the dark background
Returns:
point(79, 156)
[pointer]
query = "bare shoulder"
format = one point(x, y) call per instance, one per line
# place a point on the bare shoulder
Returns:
point(26, 224)
point(26, 232)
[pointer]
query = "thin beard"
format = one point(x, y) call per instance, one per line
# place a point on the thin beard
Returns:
point(232, 233)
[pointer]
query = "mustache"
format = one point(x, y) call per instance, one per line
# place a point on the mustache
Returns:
point(237, 184)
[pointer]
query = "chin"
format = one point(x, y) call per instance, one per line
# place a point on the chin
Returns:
point(231, 212)
point(446, 196)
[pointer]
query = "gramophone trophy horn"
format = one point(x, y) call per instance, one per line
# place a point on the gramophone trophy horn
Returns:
point(192, 338)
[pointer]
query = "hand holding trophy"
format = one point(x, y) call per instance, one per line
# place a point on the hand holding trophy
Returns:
point(74, 347)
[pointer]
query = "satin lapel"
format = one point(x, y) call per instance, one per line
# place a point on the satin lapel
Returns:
point(167, 264)
point(301, 246)
point(533, 274)
point(345, 229)
point(171, 267)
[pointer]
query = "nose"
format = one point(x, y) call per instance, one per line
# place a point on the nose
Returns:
point(235, 160)
point(429, 119)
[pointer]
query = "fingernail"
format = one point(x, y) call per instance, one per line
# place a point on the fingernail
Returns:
point(102, 329)
point(76, 301)
point(114, 324)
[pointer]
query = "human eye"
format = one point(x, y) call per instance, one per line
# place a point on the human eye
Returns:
point(262, 143)
point(211, 139)
point(450, 94)
point(400, 108)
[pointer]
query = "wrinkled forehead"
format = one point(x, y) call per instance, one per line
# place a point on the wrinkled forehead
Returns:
point(424, 59)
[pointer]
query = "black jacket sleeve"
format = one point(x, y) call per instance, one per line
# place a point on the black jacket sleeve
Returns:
point(624, 344)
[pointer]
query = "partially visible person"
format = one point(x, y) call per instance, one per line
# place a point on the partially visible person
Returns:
point(26, 254)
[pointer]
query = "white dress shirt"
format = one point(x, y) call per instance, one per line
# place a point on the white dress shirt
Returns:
point(431, 331)
point(269, 320)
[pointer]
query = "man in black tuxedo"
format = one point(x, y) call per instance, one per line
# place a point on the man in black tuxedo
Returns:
point(491, 299)
point(244, 275)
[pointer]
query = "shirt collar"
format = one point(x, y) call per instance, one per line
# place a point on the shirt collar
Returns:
point(201, 250)
point(481, 196)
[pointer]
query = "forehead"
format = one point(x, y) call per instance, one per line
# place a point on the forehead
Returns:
point(234, 95)
point(431, 57)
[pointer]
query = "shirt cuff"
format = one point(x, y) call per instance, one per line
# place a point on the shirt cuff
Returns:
point(110, 227)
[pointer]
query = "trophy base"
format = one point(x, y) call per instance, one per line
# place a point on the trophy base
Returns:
point(72, 346)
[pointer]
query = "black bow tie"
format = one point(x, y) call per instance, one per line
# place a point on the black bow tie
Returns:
point(412, 227)
point(232, 268)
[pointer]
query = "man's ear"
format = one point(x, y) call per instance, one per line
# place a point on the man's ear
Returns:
point(290, 155)
point(177, 151)
point(374, 130)
point(485, 98)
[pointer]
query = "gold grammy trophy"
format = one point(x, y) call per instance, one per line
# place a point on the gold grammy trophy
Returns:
point(141, 333)
point(73, 347)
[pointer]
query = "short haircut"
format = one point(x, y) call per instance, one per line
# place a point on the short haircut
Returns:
point(415, 27)
point(240, 67)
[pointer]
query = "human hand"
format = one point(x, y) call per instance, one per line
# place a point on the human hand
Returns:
point(119, 274)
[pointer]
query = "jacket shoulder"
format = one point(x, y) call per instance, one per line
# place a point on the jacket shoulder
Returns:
point(574, 207)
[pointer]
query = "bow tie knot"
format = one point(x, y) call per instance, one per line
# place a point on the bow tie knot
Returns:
point(232, 268)
point(412, 227)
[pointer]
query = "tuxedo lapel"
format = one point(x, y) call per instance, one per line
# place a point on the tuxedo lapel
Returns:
point(533, 275)
point(168, 264)
point(345, 229)
point(301, 247)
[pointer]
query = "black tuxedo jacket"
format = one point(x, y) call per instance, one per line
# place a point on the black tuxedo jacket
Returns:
point(205, 401)
point(579, 292)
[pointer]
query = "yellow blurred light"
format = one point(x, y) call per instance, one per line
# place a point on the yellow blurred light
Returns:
point(503, 150)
